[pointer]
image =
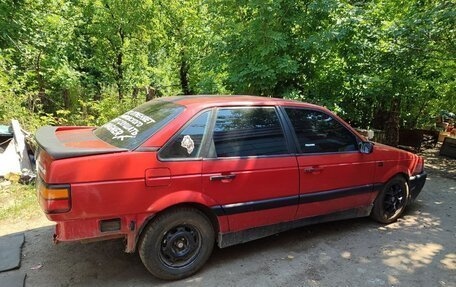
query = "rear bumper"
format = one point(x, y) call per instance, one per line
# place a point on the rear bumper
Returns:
point(88, 230)
point(416, 184)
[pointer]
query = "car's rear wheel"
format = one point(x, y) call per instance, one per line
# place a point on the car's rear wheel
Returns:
point(391, 201)
point(177, 243)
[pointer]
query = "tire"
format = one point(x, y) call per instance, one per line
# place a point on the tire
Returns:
point(391, 201)
point(177, 243)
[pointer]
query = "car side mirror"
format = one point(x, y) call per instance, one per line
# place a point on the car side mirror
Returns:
point(366, 147)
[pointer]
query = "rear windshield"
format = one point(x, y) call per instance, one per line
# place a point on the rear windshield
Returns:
point(134, 127)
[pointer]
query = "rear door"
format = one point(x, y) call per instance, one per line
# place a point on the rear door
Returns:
point(250, 170)
point(334, 175)
point(180, 161)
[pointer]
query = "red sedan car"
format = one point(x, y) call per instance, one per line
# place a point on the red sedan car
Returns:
point(176, 175)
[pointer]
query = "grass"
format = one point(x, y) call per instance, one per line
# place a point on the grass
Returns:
point(18, 201)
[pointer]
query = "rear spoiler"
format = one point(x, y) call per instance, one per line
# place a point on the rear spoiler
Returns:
point(47, 140)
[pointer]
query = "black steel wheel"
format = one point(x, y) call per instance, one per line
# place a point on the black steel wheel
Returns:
point(180, 246)
point(394, 199)
point(177, 243)
point(391, 201)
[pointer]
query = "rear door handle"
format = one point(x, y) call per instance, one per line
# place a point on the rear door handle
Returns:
point(222, 177)
point(314, 169)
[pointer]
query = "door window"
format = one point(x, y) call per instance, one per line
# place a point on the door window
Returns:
point(318, 132)
point(189, 141)
point(248, 132)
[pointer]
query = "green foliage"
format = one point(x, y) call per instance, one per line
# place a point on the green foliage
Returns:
point(83, 62)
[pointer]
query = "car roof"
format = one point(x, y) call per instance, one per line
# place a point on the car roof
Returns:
point(204, 101)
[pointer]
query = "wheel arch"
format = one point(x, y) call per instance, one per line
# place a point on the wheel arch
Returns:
point(396, 171)
point(402, 174)
point(207, 211)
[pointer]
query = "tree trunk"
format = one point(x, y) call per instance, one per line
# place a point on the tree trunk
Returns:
point(119, 63)
point(66, 98)
point(379, 119)
point(134, 95)
point(183, 74)
point(40, 79)
point(119, 75)
point(392, 123)
point(97, 95)
point(414, 123)
point(150, 93)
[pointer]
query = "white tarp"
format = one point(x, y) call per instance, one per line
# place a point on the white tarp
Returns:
point(15, 158)
point(10, 160)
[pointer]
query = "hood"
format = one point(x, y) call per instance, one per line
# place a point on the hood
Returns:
point(67, 142)
point(389, 152)
point(390, 148)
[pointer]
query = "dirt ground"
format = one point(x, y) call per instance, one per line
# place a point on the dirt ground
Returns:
point(441, 165)
point(418, 250)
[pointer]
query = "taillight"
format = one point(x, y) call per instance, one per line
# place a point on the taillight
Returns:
point(419, 167)
point(54, 198)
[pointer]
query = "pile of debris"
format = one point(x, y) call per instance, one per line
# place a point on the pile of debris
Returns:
point(17, 162)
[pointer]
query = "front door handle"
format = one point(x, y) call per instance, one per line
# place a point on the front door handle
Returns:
point(223, 177)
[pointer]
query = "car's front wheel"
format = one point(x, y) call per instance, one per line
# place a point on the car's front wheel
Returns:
point(177, 243)
point(391, 201)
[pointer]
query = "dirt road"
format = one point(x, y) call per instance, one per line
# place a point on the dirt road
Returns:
point(418, 250)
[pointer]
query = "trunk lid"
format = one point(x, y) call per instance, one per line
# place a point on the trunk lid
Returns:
point(68, 142)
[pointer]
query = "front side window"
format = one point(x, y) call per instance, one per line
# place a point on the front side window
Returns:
point(134, 127)
point(248, 132)
point(318, 132)
point(187, 144)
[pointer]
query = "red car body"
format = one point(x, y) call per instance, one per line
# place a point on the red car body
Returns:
point(115, 192)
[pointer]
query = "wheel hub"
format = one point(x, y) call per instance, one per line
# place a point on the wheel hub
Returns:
point(180, 246)
point(394, 199)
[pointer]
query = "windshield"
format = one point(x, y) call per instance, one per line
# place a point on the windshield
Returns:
point(134, 127)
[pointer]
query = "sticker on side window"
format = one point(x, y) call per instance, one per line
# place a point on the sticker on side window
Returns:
point(187, 143)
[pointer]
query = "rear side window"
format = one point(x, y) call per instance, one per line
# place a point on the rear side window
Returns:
point(187, 144)
point(248, 132)
point(134, 127)
point(318, 132)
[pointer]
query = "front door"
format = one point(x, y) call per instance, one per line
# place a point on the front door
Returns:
point(334, 175)
point(250, 170)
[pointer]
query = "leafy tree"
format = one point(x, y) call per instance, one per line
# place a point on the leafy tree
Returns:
point(379, 64)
